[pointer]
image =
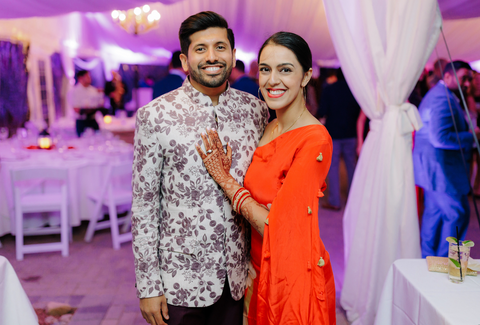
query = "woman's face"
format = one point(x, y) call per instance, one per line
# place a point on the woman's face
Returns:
point(281, 76)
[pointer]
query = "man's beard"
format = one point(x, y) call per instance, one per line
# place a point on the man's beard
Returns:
point(207, 81)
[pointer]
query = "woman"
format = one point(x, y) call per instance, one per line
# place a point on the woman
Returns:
point(295, 283)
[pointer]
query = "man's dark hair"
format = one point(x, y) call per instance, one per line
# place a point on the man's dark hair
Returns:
point(202, 21)
point(176, 62)
point(81, 73)
point(457, 65)
point(240, 65)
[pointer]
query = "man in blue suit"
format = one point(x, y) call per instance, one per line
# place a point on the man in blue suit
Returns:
point(438, 163)
point(173, 80)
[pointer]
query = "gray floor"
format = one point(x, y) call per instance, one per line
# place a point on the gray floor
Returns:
point(99, 281)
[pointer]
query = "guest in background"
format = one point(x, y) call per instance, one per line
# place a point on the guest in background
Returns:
point(420, 90)
point(476, 89)
point(116, 90)
point(86, 100)
point(311, 97)
point(438, 163)
point(173, 80)
point(436, 75)
point(241, 81)
point(473, 102)
point(327, 77)
point(341, 111)
point(253, 73)
point(148, 82)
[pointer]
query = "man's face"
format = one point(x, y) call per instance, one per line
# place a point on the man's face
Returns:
point(85, 80)
point(464, 77)
point(210, 58)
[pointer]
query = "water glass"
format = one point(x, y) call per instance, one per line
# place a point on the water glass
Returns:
point(457, 267)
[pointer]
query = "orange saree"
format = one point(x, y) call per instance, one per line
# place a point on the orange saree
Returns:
point(294, 279)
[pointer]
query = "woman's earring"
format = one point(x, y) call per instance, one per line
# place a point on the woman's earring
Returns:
point(259, 95)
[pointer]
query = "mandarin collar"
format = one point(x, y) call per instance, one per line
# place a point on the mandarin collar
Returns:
point(198, 97)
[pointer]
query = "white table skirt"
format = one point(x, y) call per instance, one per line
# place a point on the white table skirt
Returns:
point(413, 295)
point(86, 168)
point(15, 307)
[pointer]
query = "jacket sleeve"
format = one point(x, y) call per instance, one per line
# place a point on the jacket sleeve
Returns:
point(442, 131)
point(293, 287)
point(147, 166)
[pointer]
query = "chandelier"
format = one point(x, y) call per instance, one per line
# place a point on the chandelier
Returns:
point(137, 21)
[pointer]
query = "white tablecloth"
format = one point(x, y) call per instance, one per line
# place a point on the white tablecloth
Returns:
point(413, 295)
point(15, 307)
point(86, 165)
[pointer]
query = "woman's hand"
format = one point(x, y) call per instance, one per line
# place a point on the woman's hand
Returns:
point(216, 161)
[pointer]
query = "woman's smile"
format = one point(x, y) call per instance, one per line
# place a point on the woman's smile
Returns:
point(275, 93)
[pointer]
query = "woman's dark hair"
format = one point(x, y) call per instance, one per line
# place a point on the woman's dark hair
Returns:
point(294, 43)
point(202, 21)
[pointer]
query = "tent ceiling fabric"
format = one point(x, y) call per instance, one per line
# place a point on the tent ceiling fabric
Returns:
point(451, 9)
point(459, 9)
point(46, 8)
point(90, 29)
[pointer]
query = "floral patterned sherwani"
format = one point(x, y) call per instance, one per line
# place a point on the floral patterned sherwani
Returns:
point(186, 238)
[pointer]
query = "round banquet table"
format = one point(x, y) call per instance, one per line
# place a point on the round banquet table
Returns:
point(86, 160)
point(414, 296)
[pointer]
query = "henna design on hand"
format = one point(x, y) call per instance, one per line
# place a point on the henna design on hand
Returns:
point(217, 162)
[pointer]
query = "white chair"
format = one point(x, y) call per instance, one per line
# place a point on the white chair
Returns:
point(34, 198)
point(113, 195)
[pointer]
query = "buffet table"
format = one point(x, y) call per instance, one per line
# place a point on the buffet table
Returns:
point(86, 160)
point(413, 295)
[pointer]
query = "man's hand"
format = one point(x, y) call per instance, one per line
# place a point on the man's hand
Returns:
point(153, 309)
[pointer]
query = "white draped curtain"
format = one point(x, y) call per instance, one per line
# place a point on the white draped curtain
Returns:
point(382, 46)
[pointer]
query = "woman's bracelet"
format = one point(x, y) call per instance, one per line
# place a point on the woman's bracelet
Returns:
point(241, 201)
point(240, 196)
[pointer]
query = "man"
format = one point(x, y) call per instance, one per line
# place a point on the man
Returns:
point(241, 81)
point(438, 165)
point(189, 247)
point(341, 110)
point(173, 80)
point(116, 89)
point(86, 100)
